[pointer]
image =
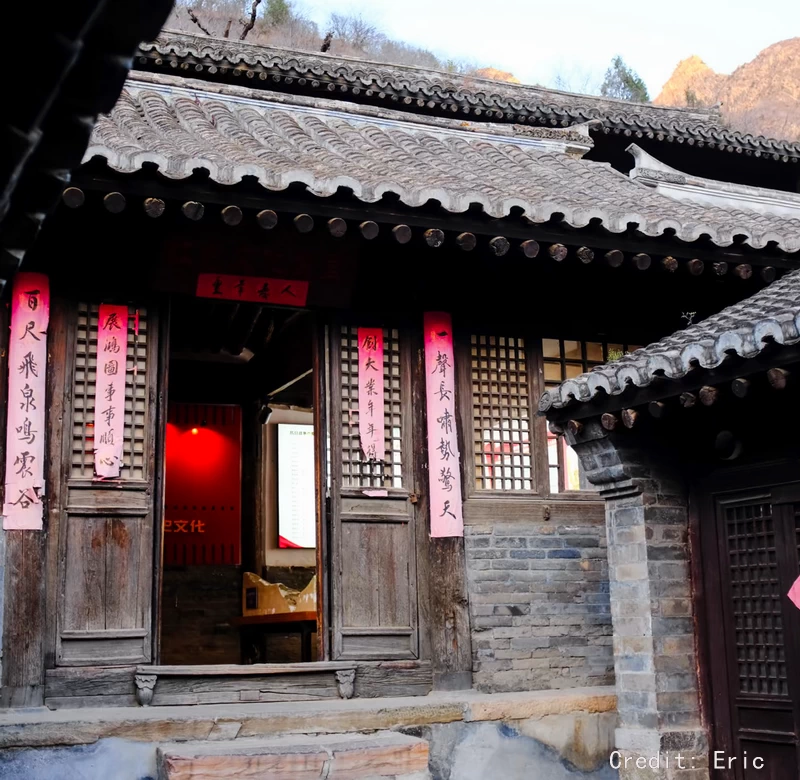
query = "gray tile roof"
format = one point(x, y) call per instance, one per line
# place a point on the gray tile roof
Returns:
point(745, 329)
point(234, 132)
point(418, 88)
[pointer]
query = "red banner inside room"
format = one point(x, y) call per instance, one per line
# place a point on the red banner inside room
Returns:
point(203, 485)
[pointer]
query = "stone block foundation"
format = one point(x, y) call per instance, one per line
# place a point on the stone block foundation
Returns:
point(558, 735)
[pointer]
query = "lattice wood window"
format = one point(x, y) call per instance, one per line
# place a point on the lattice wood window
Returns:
point(757, 599)
point(356, 471)
point(134, 455)
point(501, 413)
point(564, 359)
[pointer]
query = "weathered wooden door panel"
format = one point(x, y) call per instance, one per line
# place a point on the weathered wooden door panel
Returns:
point(750, 564)
point(105, 561)
point(373, 534)
point(103, 606)
point(379, 619)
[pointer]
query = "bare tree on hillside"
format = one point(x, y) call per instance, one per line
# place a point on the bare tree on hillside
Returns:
point(248, 24)
point(576, 79)
point(282, 23)
point(356, 31)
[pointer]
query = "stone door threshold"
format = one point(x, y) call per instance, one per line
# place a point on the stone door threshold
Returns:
point(219, 684)
point(41, 727)
point(328, 680)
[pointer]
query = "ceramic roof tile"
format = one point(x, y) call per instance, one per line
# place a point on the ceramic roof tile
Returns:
point(242, 133)
point(464, 92)
point(745, 329)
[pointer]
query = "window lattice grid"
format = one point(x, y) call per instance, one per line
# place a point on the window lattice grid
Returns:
point(133, 452)
point(501, 413)
point(565, 359)
point(757, 599)
point(358, 472)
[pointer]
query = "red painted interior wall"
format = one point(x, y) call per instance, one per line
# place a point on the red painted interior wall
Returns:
point(203, 485)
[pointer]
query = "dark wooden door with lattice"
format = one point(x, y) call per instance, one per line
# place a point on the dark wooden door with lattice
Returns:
point(750, 560)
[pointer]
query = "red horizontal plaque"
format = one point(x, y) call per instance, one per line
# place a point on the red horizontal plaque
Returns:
point(253, 289)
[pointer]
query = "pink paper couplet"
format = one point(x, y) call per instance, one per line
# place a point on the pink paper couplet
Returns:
point(444, 461)
point(370, 393)
point(109, 394)
point(27, 363)
point(794, 593)
point(252, 289)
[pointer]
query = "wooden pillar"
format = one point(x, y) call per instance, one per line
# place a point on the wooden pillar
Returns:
point(447, 601)
point(24, 566)
point(23, 620)
point(321, 454)
point(451, 642)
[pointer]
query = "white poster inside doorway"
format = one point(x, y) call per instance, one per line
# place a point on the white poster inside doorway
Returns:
point(297, 511)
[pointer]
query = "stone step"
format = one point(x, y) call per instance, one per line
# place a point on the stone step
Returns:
point(383, 755)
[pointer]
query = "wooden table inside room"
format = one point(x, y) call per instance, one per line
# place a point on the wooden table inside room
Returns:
point(254, 629)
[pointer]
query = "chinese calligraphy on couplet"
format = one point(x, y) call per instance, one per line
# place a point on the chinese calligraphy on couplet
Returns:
point(27, 361)
point(109, 398)
point(252, 289)
point(370, 393)
point(444, 460)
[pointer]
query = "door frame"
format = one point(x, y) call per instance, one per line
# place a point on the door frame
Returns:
point(162, 405)
point(320, 413)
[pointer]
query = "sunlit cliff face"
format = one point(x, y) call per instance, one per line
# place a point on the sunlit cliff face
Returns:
point(497, 75)
point(760, 97)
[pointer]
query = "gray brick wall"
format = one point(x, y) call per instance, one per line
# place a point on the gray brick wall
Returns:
point(539, 605)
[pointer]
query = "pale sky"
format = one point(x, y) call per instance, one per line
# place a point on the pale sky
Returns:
point(535, 39)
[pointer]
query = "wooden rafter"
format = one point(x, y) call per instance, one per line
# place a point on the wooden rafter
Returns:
point(700, 255)
point(700, 387)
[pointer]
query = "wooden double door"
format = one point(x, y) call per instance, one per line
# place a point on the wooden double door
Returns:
point(105, 536)
point(750, 539)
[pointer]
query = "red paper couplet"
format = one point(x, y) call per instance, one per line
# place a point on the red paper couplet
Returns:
point(253, 289)
point(444, 460)
point(370, 393)
point(109, 389)
point(27, 364)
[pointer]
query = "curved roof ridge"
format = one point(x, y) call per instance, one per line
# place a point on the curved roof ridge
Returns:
point(167, 39)
point(415, 88)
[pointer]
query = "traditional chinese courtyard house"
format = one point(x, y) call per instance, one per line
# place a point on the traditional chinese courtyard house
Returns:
point(291, 323)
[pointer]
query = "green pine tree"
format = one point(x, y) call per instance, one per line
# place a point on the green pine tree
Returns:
point(623, 83)
point(277, 12)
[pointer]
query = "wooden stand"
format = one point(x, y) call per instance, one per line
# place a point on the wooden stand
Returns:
point(255, 627)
